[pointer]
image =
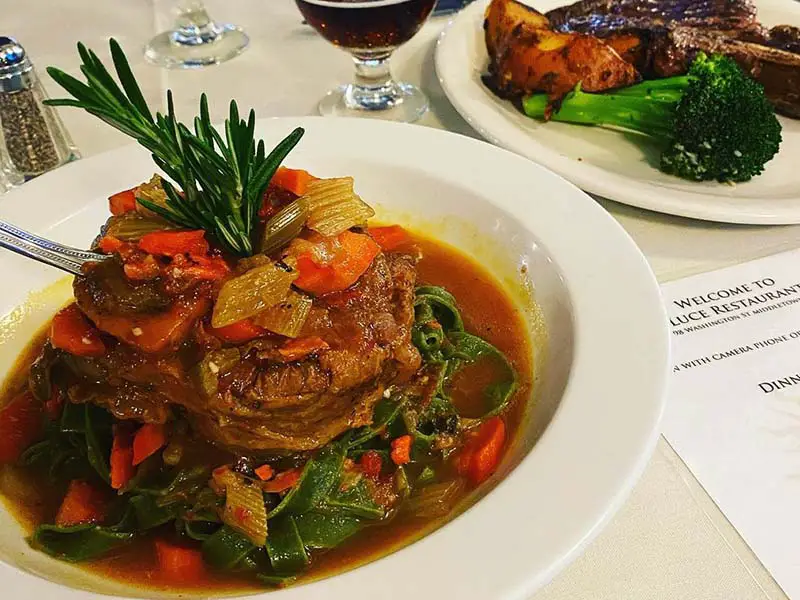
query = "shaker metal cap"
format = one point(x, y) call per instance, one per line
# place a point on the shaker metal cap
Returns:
point(12, 55)
point(14, 64)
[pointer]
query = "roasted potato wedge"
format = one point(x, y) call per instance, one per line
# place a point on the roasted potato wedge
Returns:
point(526, 55)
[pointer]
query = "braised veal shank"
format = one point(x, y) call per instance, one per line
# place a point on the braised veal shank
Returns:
point(257, 399)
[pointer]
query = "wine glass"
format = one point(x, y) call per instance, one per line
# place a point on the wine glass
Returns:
point(195, 40)
point(370, 30)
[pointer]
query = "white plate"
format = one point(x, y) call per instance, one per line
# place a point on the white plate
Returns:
point(608, 163)
point(602, 370)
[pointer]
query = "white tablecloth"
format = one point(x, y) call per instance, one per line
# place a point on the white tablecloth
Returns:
point(669, 542)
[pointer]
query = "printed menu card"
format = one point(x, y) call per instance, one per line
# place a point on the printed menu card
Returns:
point(734, 409)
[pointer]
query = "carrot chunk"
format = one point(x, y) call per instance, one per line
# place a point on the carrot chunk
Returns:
point(149, 439)
point(347, 256)
point(294, 180)
point(264, 472)
point(83, 503)
point(142, 269)
point(208, 268)
point(155, 332)
point(122, 202)
point(301, 347)
point(72, 331)
point(371, 464)
point(283, 481)
point(481, 453)
point(401, 450)
point(389, 238)
point(109, 244)
point(239, 332)
point(171, 243)
point(122, 468)
point(179, 564)
point(21, 424)
point(313, 277)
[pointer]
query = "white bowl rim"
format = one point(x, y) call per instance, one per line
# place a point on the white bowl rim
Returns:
point(603, 433)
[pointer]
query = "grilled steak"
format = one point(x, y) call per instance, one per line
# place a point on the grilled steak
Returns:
point(662, 37)
point(606, 17)
point(784, 37)
point(777, 70)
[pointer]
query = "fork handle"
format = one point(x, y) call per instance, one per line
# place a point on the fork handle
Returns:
point(54, 260)
point(46, 251)
point(79, 255)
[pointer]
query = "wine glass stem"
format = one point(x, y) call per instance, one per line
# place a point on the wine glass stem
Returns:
point(193, 26)
point(373, 87)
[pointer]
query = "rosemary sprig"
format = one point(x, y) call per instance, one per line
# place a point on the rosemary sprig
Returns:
point(222, 179)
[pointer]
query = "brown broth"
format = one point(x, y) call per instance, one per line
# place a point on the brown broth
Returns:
point(487, 311)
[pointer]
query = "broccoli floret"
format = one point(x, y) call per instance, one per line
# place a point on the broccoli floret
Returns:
point(713, 123)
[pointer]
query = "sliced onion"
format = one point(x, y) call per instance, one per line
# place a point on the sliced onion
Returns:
point(334, 207)
point(284, 226)
point(249, 294)
point(288, 316)
point(244, 505)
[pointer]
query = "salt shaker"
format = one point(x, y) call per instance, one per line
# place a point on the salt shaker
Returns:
point(33, 139)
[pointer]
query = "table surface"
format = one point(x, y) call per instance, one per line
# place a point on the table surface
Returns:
point(669, 541)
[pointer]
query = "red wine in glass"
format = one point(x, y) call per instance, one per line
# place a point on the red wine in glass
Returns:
point(370, 30)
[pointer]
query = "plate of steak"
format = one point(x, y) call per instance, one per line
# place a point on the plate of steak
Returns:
point(658, 40)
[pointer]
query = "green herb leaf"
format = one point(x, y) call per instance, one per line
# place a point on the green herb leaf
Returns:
point(426, 476)
point(435, 315)
point(149, 514)
point(200, 530)
point(438, 332)
point(324, 531)
point(319, 476)
point(402, 483)
point(468, 348)
point(355, 501)
point(285, 547)
point(442, 305)
point(98, 440)
point(79, 543)
point(222, 178)
point(226, 548)
point(73, 418)
point(173, 485)
point(386, 410)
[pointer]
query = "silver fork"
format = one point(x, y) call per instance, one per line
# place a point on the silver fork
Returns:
point(45, 251)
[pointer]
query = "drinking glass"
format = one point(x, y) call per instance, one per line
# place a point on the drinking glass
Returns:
point(195, 40)
point(370, 30)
